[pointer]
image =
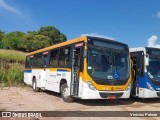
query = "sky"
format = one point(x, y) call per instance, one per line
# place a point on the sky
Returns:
point(134, 22)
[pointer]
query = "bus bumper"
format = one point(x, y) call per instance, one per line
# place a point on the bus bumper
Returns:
point(95, 94)
point(147, 93)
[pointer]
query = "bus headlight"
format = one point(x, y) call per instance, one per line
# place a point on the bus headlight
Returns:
point(90, 85)
point(150, 86)
point(128, 87)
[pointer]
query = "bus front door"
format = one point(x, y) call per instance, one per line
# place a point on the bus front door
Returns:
point(138, 66)
point(76, 60)
point(135, 91)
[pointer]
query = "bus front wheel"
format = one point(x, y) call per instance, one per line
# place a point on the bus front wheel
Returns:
point(65, 93)
point(34, 86)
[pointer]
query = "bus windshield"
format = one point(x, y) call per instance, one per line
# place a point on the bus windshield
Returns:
point(109, 65)
point(108, 61)
point(154, 68)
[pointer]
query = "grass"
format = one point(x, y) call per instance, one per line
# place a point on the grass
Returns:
point(11, 74)
point(11, 67)
point(12, 55)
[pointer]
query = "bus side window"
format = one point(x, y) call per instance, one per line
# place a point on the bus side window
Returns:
point(45, 59)
point(54, 58)
point(64, 56)
point(37, 61)
point(29, 61)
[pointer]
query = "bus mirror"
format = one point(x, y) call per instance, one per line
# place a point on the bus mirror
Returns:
point(85, 53)
point(147, 60)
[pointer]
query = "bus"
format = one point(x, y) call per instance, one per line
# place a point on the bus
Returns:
point(85, 68)
point(146, 64)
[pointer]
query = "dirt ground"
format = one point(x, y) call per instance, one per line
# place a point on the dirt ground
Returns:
point(24, 99)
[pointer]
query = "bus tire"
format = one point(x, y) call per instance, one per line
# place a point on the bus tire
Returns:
point(65, 93)
point(34, 86)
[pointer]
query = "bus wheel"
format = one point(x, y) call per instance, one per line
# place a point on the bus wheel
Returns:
point(65, 93)
point(34, 86)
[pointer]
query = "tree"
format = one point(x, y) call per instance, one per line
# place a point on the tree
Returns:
point(33, 42)
point(13, 40)
point(1, 37)
point(62, 37)
point(53, 33)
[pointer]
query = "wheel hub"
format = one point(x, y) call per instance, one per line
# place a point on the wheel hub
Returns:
point(65, 93)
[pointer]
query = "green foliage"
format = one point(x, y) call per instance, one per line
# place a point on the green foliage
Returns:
point(13, 40)
point(62, 37)
point(34, 42)
point(11, 74)
point(54, 34)
point(11, 67)
point(1, 37)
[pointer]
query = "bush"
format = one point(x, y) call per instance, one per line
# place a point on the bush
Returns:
point(11, 74)
point(11, 67)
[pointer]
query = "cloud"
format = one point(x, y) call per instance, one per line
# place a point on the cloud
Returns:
point(97, 35)
point(152, 41)
point(9, 8)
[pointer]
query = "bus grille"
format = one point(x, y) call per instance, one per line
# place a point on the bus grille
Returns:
point(105, 95)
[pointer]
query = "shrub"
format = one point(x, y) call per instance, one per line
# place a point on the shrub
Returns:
point(11, 74)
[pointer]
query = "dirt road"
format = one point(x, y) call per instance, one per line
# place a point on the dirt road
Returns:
point(24, 99)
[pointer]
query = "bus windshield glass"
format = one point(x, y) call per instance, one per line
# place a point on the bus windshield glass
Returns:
point(153, 69)
point(108, 61)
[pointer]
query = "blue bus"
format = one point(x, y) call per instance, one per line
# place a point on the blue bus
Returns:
point(146, 65)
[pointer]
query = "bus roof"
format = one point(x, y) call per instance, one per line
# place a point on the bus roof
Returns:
point(142, 49)
point(68, 42)
point(83, 38)
point(154, 48)
point(137, 49)
point(107, 39)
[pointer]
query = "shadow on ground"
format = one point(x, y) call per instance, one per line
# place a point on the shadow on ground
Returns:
point(52, 93)
point(106, 102)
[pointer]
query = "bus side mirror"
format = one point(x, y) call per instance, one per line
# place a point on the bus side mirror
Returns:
point(147, 60)
point(85, 53)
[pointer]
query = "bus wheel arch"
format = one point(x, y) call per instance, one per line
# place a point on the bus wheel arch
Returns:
point(34, 85)
point(63, 81)
point(65, 92)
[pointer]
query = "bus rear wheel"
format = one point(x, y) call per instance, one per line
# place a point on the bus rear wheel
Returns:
point(65, 93)
point(34, 86)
